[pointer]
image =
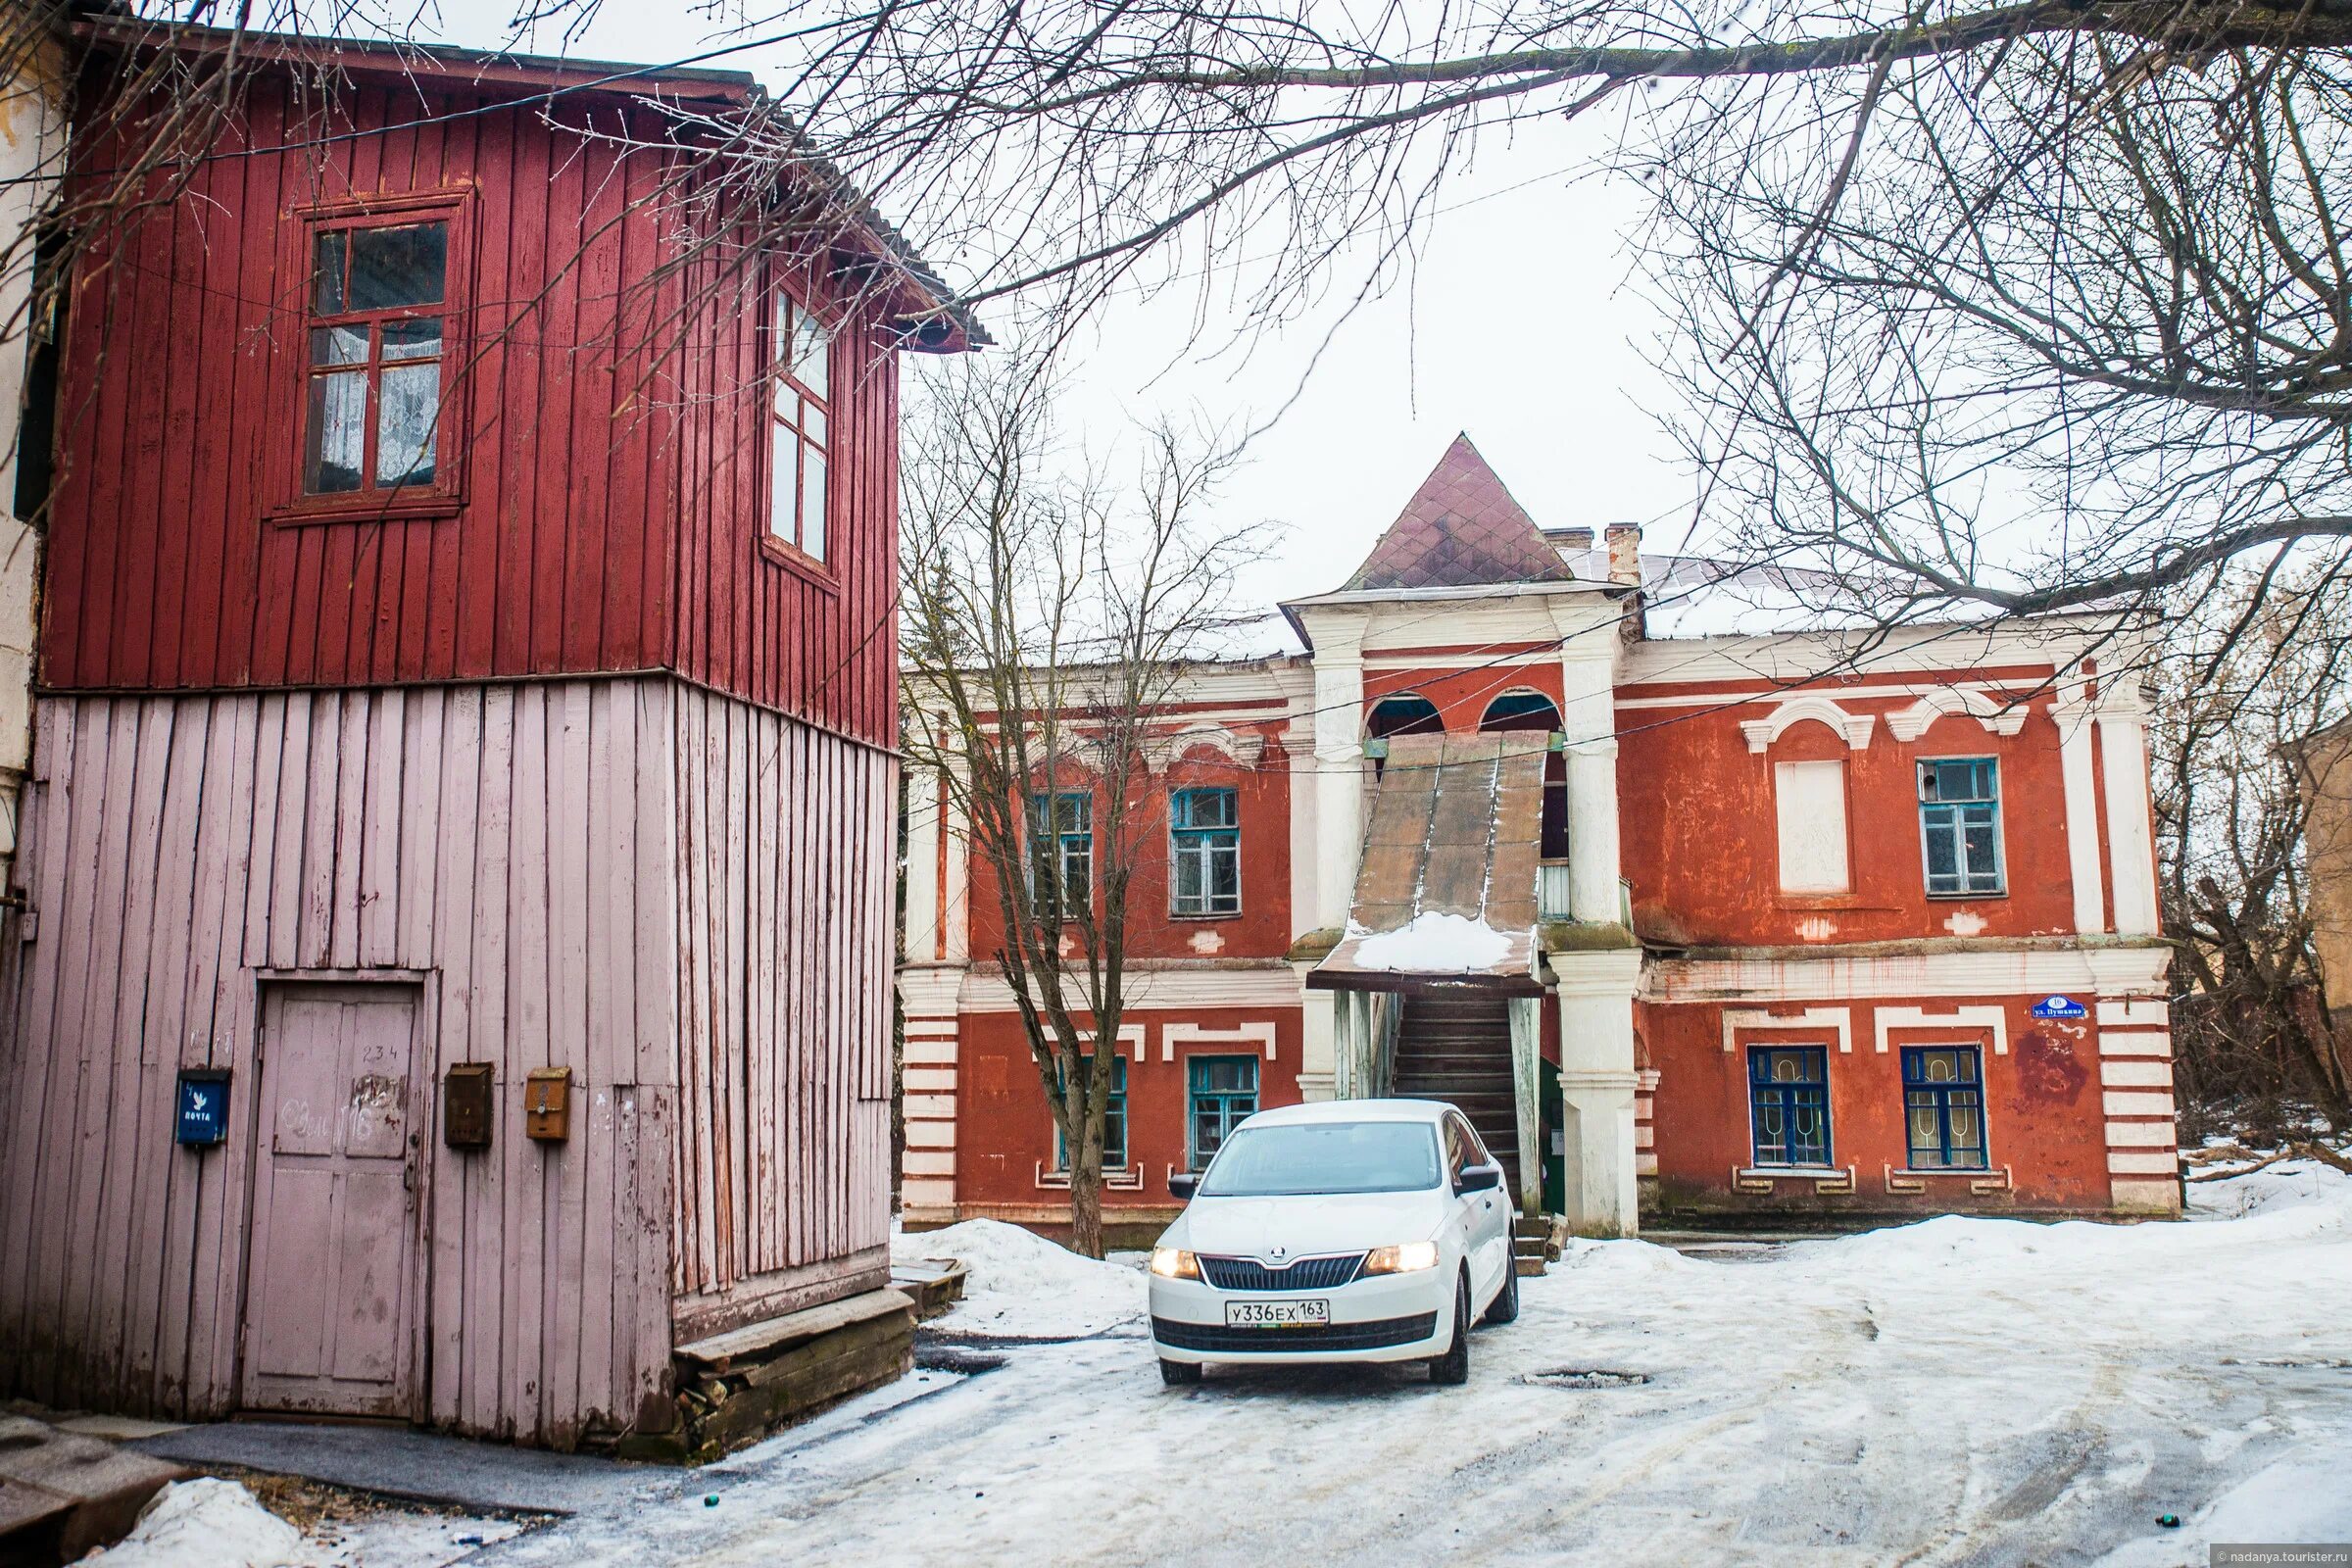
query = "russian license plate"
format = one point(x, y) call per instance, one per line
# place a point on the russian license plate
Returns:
point(1277, 1314)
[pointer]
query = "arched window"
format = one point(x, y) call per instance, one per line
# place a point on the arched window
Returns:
point(1533, 711)
point(1520, 711)
point(1403, 715)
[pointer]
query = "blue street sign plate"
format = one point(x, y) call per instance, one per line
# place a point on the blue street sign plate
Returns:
point(2059, 1007)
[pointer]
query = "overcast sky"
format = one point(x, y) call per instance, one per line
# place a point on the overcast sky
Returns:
point(1522, 326)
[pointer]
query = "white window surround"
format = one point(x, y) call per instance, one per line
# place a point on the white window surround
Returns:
point(1994, 1019)
point(1131, 1039)
point(1762, 732)
point(1814, 1019)
point(1243, 747)
point(1172, 1035)
point(1908, 724)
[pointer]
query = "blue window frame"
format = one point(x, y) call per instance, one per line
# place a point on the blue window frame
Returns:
point(1204, 852)
point(1224, 1090)
point(1960, 825)
point(1062, 852)
point(1788, 1104)
point(1943, 1106)
point(1114, 1124)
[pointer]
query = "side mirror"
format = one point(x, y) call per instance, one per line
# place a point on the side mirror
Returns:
point(1479, 1178)
point(1183, 1183)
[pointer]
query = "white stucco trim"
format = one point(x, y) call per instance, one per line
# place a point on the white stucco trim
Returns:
point(1257, 1034)
point(1977, 972)
point(1884, 1021)
point(1841, 1019)
point(1909, 723)
point(1762, 732)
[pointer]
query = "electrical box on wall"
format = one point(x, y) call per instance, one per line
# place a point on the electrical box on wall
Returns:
point(202, 1119)
point(465, 1110)
point(547, 1104)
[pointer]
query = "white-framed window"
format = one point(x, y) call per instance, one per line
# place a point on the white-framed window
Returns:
point(1960, 825)
point(1062, 852)
point(800, 374)
point(1810, 799)
point(1204, 852)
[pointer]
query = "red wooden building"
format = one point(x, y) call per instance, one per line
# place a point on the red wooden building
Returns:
point(1704, 907)
point(467, 678)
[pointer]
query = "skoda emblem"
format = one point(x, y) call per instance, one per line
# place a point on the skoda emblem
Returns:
point(1279, 1254)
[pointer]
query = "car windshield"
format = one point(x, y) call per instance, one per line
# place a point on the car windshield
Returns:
point(1349, 1156)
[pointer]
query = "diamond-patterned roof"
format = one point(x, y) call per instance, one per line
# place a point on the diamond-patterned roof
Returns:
point(1461, 529)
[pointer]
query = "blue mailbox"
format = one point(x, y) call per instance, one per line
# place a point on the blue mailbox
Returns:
point(202, 1119)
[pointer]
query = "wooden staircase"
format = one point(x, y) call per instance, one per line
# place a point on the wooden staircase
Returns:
point(1458, 1049)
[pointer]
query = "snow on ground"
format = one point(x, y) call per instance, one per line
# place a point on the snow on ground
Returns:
point(1955, 1392)
point(1021, 1286)
point(1433, 944)
point(214, 1523)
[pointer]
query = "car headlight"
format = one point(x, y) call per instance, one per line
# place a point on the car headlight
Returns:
point(1170, 1264)
point(1409, 1258)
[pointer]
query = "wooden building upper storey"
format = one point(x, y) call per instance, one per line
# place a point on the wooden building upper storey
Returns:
point(416, 378)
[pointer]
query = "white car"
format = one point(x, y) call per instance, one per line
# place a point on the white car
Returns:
point(1357, 1230)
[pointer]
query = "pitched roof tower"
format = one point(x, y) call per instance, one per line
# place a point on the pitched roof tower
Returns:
point(1461, 529)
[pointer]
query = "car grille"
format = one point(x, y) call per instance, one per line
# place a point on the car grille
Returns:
point(1306, 1274)
point(1215, 1337)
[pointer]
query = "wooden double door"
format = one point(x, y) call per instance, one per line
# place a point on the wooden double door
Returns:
point(332, 1282)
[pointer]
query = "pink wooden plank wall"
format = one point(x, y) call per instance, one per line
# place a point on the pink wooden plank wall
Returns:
point(557, 858)
point(786, 837)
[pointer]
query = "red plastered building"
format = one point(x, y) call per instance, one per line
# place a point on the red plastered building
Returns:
point(1765, 919)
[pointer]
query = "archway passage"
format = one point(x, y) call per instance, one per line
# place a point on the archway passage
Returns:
point(1536, 713)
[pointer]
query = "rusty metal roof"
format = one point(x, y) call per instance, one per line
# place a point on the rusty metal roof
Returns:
point(1461, 529)
point(1454, 829)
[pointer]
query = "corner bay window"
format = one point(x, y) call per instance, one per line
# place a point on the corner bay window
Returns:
point(372, 399)
point(1960, 825)
point(799, 354)
point(1114, 1124)
point(1062, 852)
point(1223, 1093)
point(1788, 1104)
point(1204, 849)
point(1944, 1107)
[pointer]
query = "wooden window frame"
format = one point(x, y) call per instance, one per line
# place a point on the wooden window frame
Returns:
point(1194, 1095)
point(1993, 802)
point(818, 569)
point(1937, 1095)
point(1183, 839)
point(1114, 1111)
point(446, 497)
point(1780, 1091)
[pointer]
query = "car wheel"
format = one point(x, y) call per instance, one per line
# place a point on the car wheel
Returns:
point(1453, 1369)
point(1504, 1308)
point(1179, 1374)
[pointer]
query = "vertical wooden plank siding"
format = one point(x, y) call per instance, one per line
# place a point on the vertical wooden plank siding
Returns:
point(783, 1184)
point(653, 884)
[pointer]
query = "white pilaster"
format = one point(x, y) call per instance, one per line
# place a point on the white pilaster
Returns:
point(954, 890)
point(920, 932)
point(1592, 870)
point(1338, 763)
point(1318, 1064)
point(931, 1086)
point(2131, 853)
point(1597, 1085)
point(2072, 714)
point(1299, 745)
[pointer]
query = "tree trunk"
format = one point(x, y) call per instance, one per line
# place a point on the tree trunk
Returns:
point(1086, 1207)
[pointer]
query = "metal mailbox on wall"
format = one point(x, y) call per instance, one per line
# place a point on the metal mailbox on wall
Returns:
point(202, 1119)
point(547, 1104)
point(465, 1105)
